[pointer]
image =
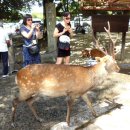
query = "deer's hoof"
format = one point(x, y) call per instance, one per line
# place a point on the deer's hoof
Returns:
point(13, 124)
point(94, 114)
point(40, 119)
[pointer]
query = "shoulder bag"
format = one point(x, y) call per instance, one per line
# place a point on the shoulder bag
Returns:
point(34, 49)
point(64, 42)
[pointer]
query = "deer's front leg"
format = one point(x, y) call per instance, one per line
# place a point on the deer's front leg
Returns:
point(69, 108)
point(87, 100)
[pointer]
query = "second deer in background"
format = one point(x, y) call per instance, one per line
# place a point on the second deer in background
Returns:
point(98, 51)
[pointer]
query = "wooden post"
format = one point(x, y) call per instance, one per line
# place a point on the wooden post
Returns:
point(95, 37)
point(123, 45)
point(51, 22)
point(11, 56)
point(119, 23)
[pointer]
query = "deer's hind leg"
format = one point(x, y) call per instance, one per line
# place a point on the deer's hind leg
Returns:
point(30, 102)
point(15, 104)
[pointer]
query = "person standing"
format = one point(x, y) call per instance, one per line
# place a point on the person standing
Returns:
point(30, 33)
point(4, 42)
point(62, 32)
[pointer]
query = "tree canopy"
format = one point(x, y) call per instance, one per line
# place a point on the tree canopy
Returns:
point(67, 5)
point(10, 9)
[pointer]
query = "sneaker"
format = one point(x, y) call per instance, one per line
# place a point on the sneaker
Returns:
point(4, 76)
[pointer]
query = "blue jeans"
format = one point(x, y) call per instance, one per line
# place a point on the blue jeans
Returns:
point(4, 58)
point(30, 59)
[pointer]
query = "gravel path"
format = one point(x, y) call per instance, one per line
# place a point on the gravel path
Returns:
point(52, 111)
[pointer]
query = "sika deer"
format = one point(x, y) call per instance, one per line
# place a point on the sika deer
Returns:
point(97, 51)
point(93, 53)
point(61, 80)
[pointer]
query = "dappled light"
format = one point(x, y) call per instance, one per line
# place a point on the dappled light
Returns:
point(53, 111)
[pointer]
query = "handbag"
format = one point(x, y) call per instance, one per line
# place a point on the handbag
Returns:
point(34, 49)
point(64, 46)
point(64, 42)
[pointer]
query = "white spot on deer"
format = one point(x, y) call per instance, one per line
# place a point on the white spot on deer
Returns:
point(22, 84)
point(29, 82)
point(49, 83)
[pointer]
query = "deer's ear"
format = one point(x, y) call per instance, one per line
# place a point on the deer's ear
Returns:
point(98, 59)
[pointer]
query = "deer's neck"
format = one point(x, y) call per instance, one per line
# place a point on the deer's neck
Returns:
point(98, 74)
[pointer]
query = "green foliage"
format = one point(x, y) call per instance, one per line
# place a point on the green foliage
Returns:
point(9, 9)
point(67, 5)
point(37, 15)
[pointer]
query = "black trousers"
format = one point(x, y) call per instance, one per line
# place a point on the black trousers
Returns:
point(4, 59)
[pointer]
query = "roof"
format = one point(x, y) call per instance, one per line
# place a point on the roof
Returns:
point(104, 4)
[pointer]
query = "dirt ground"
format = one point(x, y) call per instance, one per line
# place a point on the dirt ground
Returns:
point(54, 111)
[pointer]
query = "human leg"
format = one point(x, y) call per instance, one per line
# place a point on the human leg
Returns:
point(4, 56)
point(63, 54)
point(59, 60)
point(67, 60)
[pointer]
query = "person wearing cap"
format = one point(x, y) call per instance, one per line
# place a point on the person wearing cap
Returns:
point(62, 32)
point(4, 42)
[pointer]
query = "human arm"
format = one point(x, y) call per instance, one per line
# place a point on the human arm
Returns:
point(28, 34)
point(38, 33)
point(57, 33)
point(7, 40)
point(69, 29)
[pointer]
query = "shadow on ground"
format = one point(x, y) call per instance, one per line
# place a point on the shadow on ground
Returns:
point(52, 111)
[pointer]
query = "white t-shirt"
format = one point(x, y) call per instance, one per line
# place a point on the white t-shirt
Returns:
point(3, 38)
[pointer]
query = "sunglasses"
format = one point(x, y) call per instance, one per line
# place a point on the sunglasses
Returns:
point(29, 19)
point(67, 18)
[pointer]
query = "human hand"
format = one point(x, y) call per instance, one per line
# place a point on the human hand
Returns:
point(69, 29)
point(37, 26)
point(33, 26)
point(66, 29)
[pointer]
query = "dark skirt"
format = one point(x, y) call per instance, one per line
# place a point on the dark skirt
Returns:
point(30, 59)
point(63, 53)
